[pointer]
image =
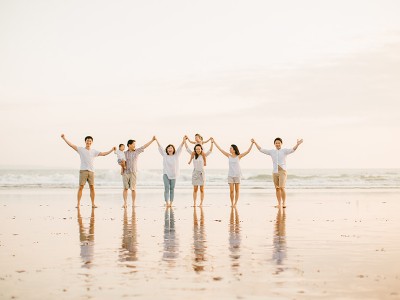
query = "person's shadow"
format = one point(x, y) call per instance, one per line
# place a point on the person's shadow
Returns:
point(199, 241)
point(129, 246)
point(234, 239)
point(86, 237)
point(279, 240)
point(171, 244)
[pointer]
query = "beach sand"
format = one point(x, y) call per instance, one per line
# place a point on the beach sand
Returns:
point(327, 244)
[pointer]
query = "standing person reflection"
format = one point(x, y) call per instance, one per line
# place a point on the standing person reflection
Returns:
point(199, 241)
point(234, 238)
point(129, 238)
point(279, 242)
point(171, 244)
point(86, 238)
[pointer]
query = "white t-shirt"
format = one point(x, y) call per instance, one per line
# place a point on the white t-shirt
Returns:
point(278, 157)
point(87, 158)
point(171, 162)
point(120, 155)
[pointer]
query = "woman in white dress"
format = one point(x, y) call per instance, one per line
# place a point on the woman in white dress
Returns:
point(198, 175)
point(235, 173)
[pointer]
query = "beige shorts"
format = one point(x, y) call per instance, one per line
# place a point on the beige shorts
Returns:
point(86, 176)
point(279, 178)
point(233, 179)
point(129, 181)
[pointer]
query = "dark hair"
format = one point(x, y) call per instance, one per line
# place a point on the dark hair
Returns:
point(88, 138)
point(278, 139)
point(168, 147)
point(236, 149)
point(120, 145)
point(195, 153)
point(199, 136)
point(130, 142)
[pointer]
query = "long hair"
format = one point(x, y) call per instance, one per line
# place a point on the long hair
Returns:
point(236, 149)
point(195, 153)
point(168, 147)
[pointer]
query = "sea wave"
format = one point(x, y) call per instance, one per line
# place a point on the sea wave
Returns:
point(254, 179)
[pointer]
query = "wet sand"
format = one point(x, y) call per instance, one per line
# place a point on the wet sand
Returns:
point(330, 244)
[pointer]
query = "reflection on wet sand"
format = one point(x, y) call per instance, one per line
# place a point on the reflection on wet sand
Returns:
point(279, 241)
point(86, 240)
point(234, 238)
point(199, 241)
point(128, 251)
point(171, 243)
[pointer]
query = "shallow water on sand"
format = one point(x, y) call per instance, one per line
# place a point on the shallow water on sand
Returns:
point(326, 244)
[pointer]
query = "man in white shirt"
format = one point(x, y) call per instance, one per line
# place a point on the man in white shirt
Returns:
point(86, 173)
point(279, 173)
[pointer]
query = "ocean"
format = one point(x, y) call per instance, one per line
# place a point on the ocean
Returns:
point(252, 179)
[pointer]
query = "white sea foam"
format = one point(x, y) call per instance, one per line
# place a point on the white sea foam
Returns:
point(302, 179)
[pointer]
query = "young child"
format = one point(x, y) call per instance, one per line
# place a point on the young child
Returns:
point(202, 154)
point(121, 157)
point(198, 139)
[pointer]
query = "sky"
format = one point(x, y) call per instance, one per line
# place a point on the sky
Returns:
point(324, 71)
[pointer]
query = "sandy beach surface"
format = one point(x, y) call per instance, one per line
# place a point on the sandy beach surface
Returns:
point(327, 244)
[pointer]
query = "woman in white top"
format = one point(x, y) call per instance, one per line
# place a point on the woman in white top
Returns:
point(198, 175)
point(235, 173)
point(170, 169)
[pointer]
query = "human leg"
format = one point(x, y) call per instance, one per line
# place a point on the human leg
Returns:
point(133, 197)
point(231, 192)
point(166, 189)
point(283, 194)
point(282, 184)
point(237, 188)
point(79, 195)
point(201, 195)
point(125, 195)
point(172, 189)
point(92, 195)
point(278, 196)
point(195, 189)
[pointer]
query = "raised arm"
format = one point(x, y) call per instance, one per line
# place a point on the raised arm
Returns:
point(204, 142)
point(179, 150)
point(149, 143)
point(187, 148)
point(192, 142)
point(160, 149)
point(108, 152)
point(246, 152)
point(255, 143)
point(211, 148)
point(297, 144)
point(69, 143)
point(219, 148)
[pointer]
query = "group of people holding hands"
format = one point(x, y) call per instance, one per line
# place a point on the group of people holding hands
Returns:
point(128, 162)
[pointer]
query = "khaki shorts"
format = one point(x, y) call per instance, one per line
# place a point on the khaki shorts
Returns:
point(279, 178)
point(233, 179)
point(129, 181)
point(86, 176)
